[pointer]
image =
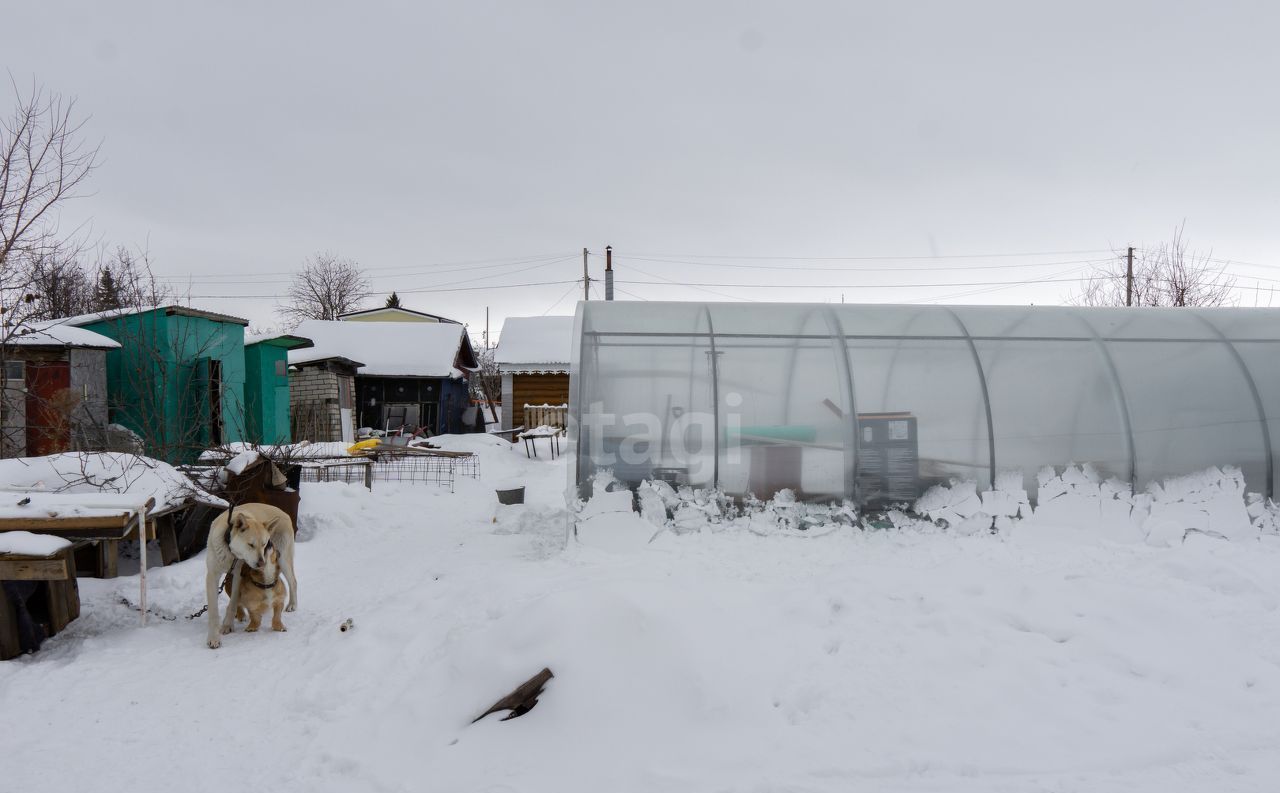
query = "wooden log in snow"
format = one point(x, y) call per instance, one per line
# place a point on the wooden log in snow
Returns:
point(522, 700)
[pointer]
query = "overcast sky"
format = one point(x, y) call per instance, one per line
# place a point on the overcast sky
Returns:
point(238, 138)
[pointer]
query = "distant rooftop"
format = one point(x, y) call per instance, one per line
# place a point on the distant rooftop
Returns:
point(396, 309)
point(531, 341)
point(388, 349)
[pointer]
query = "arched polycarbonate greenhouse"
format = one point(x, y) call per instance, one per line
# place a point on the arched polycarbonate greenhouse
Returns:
point(875, 403)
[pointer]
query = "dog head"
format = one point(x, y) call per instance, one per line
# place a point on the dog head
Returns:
point(250, 540)
point(270, 561)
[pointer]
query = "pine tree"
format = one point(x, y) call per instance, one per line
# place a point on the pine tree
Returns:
point(107, 294)
point(393, 301)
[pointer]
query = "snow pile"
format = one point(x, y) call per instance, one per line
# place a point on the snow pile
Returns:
point(1078, 503)
point(688, 510)
point(28, 544)
point(1074, 503)
point(104, 472)
point(1211, 502)
point(607, 521)
point(1264, 513)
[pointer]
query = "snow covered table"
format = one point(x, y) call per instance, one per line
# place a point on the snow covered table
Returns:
point(102, 517)
point(531, 437)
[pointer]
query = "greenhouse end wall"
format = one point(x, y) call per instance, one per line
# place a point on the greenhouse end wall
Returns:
point(875, 403)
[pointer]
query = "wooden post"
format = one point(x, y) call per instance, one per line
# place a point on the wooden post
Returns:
point(142, 564)
point(586, 280)
point(108, 558)
point(9, 647)
point(168, 537)
point(1128, 280)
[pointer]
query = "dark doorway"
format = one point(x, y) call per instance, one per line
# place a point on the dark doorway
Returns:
point(215, 402)
point(49, 407)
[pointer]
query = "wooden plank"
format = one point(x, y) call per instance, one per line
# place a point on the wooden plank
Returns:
point(168, 537)
point(537, 389)
point(64, 597)
point(56, 606)
point(108, 559)
point(34, 570)
point(70, 523)
point(72, 587)
point(133, 532)
point(8, 628)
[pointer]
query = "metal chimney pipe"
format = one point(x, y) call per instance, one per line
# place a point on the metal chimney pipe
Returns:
point(608, 272)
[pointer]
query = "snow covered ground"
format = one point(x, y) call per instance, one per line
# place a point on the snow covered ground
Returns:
point(899, 660)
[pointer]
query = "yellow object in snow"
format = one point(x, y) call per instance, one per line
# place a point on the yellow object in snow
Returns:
point(362, 446)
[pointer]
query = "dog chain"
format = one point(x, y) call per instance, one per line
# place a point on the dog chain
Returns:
point(124, 601)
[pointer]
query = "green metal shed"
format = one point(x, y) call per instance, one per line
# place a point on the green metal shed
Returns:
point(178, 379)
point(266, 386)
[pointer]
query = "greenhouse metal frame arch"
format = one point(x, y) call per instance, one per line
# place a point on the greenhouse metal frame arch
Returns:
point(874, 403)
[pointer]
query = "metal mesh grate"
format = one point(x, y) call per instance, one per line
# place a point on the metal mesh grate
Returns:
point(402, 468)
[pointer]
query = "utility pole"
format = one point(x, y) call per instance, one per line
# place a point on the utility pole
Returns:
point(608, 272)
point(586, 279)
point(486, 328)
point(1128, 280)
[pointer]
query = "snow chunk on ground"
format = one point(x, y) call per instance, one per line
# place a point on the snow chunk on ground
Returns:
point(952, 504)
point(1211, 502)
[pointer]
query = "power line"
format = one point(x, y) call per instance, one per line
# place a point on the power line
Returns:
point(855, 286)
point(676, 283)
point(254, 277)
point(1022, 282)
point(873, 258)
point(861, 269)
point(401, 291)
point(561, 298)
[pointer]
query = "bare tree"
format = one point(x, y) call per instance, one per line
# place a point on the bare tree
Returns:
point(61, 285)
point(135, 284)
point(1169, 274)
point(327, 287)
point(43, 163)
point(486, 380)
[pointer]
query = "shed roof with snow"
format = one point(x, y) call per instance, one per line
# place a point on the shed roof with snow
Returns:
point(535, 344)
point(169, 311)
point(55, 334)
point(389, 349)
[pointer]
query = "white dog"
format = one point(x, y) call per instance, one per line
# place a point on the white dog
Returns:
point(241, 536)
